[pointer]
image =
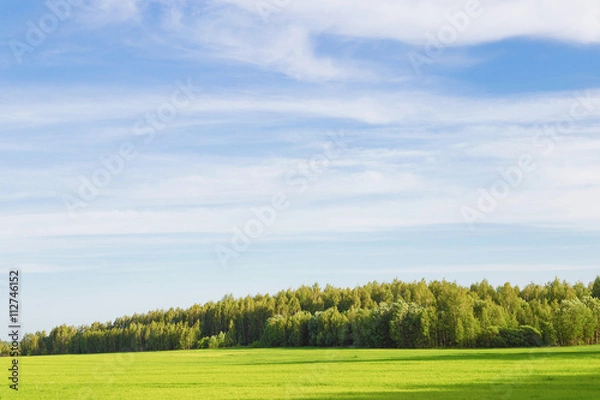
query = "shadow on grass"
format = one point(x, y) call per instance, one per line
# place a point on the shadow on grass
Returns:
point(544, 387)
point(524, 355)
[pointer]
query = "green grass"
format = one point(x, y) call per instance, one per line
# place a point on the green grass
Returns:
point(553, 373)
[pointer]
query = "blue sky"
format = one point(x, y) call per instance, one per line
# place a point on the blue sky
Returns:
point(138, 136)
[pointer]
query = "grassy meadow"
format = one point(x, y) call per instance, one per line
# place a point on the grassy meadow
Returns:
point(540, 373)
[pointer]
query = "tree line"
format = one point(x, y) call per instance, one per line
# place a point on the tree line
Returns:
point(436, 314)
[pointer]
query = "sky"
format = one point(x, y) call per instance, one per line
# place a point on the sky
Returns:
point(158, 154)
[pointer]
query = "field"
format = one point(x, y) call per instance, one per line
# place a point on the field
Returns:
point(546, 373)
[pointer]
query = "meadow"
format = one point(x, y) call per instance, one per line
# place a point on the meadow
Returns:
point(242, 373)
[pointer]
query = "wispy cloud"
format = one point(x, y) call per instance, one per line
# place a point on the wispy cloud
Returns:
point(268, 86)
point(286, 42)
point(387, 179)
point(405, 107)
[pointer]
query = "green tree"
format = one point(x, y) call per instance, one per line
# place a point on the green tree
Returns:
point(411, 325)
point(574, 323)
point(596, 288)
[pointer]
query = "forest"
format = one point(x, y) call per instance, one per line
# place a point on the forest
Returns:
point(436, 314)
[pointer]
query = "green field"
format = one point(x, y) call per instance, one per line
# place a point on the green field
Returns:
point(541, 373)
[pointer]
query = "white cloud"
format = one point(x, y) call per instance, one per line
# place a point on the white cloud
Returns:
point(408, 20)
point(48, 106)
point(282, 36)
point(402, 20)
point(388, 178)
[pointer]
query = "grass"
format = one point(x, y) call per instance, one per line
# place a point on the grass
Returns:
point(546, 373)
